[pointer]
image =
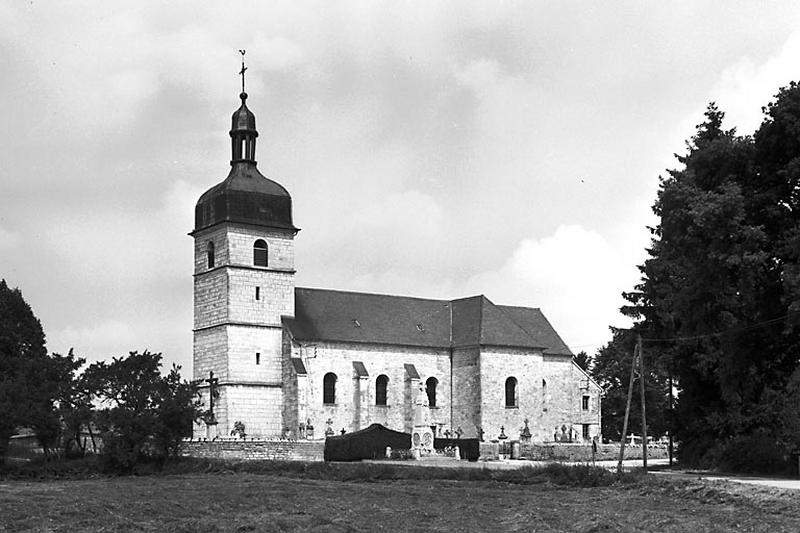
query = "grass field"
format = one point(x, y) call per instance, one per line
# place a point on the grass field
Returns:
point(269, 501)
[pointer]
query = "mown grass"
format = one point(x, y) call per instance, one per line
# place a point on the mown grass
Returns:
point(384, 497)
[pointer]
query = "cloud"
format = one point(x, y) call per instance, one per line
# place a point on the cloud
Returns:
point(96, 342)
point(573, 275)
point(8, 239)
point(747, 86)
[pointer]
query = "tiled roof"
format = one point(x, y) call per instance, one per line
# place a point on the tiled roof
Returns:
point(328, 315)
point(534, 322)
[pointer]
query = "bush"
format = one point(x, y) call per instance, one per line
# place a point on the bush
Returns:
point(750, 454)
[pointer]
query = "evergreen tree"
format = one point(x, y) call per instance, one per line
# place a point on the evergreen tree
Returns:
point(22, 355)
point(722, 278)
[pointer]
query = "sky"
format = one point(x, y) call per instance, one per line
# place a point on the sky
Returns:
point(433, 149)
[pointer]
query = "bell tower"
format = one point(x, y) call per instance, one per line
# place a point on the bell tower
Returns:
point(243, 284)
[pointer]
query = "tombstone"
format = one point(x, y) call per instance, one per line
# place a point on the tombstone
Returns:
point(525, 433)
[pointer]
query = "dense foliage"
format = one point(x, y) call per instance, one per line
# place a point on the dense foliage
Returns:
point(611, 368)
point(719, 300)
point(142, 414)
point(31, 381)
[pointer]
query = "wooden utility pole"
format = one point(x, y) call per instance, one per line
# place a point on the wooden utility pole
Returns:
point(671, 414)
point(642, 389)
point(627, 410)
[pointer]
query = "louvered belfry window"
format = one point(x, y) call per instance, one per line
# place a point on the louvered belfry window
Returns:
point(260, 253)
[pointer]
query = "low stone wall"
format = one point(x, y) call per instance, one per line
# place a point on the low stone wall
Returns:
point(571, 452)
point(274, 450)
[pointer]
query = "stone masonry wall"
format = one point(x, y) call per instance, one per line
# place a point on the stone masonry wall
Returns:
point(244, 342)
point(280, 246)
point(275, 296)
point(210, 298)
point(274, 450)
point(466, 391)
point(209, 346)
point(257, 407)
point(247, 303)
point(496, 366)
point(321, 358)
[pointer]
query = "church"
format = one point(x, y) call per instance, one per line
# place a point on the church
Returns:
point(279, 361)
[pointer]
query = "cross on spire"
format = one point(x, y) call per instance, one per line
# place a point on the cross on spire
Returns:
point(244, 68)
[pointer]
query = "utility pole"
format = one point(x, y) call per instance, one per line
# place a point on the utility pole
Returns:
point(642, 389)
point(627, 410)
point(671, 413)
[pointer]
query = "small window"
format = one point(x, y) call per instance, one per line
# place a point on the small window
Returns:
point(511, 392)
point(430, 390)
point(210, 254)
point(258, 358)
point(260, 253)
point(381, 384)
point(258, 293)
point(329, 388)
point(585, 404)
point(544, 394)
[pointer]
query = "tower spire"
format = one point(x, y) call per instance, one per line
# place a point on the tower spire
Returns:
point(243, 129)
point(244, 69)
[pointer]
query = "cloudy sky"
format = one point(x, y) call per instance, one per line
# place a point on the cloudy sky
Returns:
point(437, 149)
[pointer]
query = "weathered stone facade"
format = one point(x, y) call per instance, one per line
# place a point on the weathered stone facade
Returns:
point(286, 358)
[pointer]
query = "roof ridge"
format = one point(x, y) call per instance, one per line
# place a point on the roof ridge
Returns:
point(378, 294)
point(518, 307)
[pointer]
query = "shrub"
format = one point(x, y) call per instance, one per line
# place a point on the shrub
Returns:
point(749, 454)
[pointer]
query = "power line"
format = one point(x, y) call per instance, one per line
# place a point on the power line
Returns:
point(723, 332)
point(748, 327)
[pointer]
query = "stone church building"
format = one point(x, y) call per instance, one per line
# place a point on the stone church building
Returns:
point(296, 362)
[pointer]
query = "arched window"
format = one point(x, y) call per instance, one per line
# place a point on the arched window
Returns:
point(329, 388)
point(511, 392)
point(430, 390)
point(210, 254)
point(260, 253)
point(381, 384)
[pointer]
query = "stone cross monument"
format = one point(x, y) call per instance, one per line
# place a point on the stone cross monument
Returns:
point(421, 434)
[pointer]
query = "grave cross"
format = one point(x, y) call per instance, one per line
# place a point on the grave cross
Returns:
point(212, 391)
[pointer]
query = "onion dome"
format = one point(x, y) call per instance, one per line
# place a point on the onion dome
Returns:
point(245, 196)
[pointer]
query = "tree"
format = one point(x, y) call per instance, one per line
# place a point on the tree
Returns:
point(722, 276)
point(22, 353)
point(583, 360)
point(58, 395)
point(612, 369)
point(143, 414)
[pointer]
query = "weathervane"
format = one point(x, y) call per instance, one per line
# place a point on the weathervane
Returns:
point(244, 68)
